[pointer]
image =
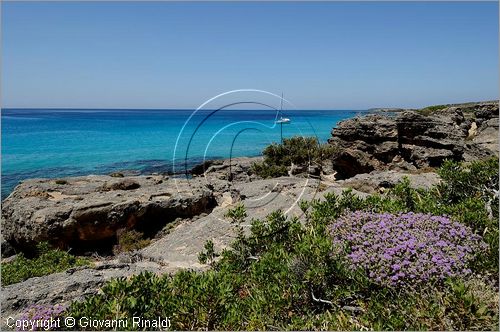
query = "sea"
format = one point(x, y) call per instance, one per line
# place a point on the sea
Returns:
point(54, 143)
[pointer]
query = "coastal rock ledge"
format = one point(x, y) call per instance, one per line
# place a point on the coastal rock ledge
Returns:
point(413, 140)
point(86, 212)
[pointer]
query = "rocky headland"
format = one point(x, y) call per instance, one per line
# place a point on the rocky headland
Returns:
point(85, 214)
point(414, 140)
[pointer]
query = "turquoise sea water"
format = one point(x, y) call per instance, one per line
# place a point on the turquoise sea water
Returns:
point(57, 143)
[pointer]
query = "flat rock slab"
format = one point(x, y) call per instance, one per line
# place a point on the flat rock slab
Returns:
point(180, 248)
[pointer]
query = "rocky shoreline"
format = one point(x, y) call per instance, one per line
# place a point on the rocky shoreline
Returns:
point(179, 214)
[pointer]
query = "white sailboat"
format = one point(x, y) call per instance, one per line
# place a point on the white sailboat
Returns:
point(282, 120)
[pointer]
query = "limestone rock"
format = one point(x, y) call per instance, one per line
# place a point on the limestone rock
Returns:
point(411, 140)
point(84, 213)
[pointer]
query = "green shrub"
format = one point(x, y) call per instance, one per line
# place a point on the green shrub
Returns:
point(129, 240)
point(208, 255)
point(48, 261)
point(469, 192)
point(298, 150)
point(461, 181)
point(267, 171)
point(301, 151)
point(237, 214)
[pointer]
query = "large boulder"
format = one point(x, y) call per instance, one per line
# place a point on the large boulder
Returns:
point(413, 140)
point(85, 213)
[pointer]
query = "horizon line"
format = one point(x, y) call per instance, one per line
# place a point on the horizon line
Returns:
point(247, 109)
point(173, 109)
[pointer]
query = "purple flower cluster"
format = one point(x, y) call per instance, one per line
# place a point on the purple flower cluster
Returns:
point(41, 317)
point(408, 248)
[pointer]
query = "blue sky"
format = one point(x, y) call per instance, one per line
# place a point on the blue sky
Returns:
point(324, 55)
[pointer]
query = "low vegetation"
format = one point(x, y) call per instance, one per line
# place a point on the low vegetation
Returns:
point(300, 151)
point(432, 109)
point(406, 248)
point(464, 107)
point(47, 261)
point(42, 313)
point(129, 240)
point(329, 272)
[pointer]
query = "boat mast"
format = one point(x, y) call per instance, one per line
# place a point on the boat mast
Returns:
point(281, 118)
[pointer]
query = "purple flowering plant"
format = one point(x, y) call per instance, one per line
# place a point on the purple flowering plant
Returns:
point(42, 313)
point(407, 248)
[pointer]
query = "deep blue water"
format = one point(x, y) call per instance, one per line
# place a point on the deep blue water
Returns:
point(56, 143)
